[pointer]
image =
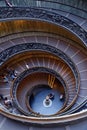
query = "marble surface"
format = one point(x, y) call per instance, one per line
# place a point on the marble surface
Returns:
point(37, 103)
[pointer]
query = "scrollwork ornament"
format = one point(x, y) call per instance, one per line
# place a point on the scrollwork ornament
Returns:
point(43, 14)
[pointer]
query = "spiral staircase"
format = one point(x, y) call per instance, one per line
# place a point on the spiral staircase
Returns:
point(43, 49)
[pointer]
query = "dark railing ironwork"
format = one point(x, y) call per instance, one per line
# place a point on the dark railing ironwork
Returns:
point(32, 71)
point(12, 51)
point(44, 15)
point(68, 7)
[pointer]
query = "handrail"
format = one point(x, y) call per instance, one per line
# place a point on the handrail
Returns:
point(49, 4)
point(27, 72)
point(76, 108)
point(46, 120)
point(69, 105)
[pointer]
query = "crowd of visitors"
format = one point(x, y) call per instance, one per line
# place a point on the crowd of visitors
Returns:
point(6, 101)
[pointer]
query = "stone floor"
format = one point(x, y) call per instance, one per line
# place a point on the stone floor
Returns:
point(38, 103)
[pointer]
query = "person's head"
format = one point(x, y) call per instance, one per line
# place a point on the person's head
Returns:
point(6, 98)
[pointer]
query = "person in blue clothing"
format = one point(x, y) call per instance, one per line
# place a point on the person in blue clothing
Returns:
point(7, 102)
point(11, 73)
point(51, 96)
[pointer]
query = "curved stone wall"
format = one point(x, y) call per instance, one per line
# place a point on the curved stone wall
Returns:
point(73, 55)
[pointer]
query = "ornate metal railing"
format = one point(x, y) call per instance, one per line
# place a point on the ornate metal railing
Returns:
point(25, 74)
point(43, 15)
point(12, 51)
point(69, 7)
